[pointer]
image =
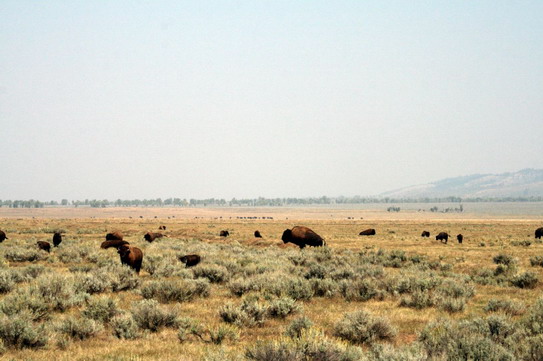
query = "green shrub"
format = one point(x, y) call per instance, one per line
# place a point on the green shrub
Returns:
point(124, 326)
point(297, 289)
point(418, 300)
point(296, 327)
point(504, 259)
point(525, 280)
point(361, 290)
point(101, 309)
point(282, 307)
point(361, 327)
point(324, 287)
point(150, 316)
point(506, 306)
point(213, 272)
point(79, 328)
point(175, 291)
point(20, 254)
point(250, 313)
point(6, 281)
point(536, 261)
point(18, 331)
point(451, 304)
point(57, 292)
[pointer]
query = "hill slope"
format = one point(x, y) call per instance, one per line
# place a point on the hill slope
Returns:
point(524, 183)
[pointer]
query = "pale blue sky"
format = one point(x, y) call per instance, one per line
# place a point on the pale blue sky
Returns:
point(146, 99)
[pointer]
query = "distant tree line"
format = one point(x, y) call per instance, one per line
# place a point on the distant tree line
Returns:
point(255, 202)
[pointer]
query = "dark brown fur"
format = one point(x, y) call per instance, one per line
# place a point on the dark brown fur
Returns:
point(131, 256)
point(190, 260)
point(443, 237)
point(46, 246)
point(257, 234)
point(538, 233)
point(425, 234)
point(224, 234)
point(460, 238)
point(114, 236)
point(57, 238)
point(162, 228)
point(150, 236)
point(302, 236)
point(3, 236)
point(367, 232)
point(114, 244)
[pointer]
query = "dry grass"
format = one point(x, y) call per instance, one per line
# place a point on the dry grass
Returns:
point(484, 238)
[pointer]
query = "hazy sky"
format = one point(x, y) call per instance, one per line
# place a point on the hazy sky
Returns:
point(197, 99)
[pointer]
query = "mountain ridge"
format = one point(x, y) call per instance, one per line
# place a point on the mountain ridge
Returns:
point(523, 183)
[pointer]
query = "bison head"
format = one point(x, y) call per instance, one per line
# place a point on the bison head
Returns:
point(287, 236)
point(123, 251)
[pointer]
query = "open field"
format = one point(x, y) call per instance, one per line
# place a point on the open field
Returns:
point(250, 290)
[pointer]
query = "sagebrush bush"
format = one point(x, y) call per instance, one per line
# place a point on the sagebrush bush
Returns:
point(536, 261)
point(213, 272)
point(311, 345)
point(175, 291)
point(324, 287)
point(150, 316)
point(57, 291)
point(525, 280)
point(282, 307)
point(20, 254)
point(18, 331)
point(504, 259)
point(124, 326)
point(250, 313)
point(506, 306)
point(297, 325)
point(361, 290)
point(297, 288)
point(361, 327)
point(79, 328)
point(418, 300)
point(6, 281)
point(101, 309)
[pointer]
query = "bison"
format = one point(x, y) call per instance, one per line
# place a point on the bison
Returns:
point(538, 233)
point(425, 234)
point(257, 234)
point(57, 238)
point(367, 232)
point(114, 244)
point(150, 237)
point(114, 236)
point(46, 246)
point(131, 256)
point(3, 236)
point(224, 234)
point(302, 236)
point(460, 238)
point(190, 260)
point(443, 237)
point(162, 228)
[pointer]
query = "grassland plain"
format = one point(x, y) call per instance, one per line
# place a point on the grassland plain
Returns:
point(380, 297)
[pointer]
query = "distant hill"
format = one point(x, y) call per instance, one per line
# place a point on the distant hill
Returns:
point(524, 183)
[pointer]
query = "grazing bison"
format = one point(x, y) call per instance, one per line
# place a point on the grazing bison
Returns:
point(257, 234)
point(367, 232)
point(460, 238)
point(3, 236)
point(224, 234)
point(150, 237)
point(114, 236)
point(115, 244)
point(162, 228)
point(131, 256)
point(443, 237)
point(46, 246)
point(302, 236)
point(57, 238)
point(538, 233)
point(190, 260)
point(425, 234)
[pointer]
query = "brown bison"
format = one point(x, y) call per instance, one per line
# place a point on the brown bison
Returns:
point(3, 236)
point(460, 238)
point(538, 233)
point(46, 246)
point(443, 237)
point(302, 236)
point(367, 232)
point(257, 234)
point(425, 234)
point(114, 236)
point(224, 234)
point(115, 244)
point(162, 228)
point(150, 237)
point(190, 260)
point(131, 256)
point(57, 238)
